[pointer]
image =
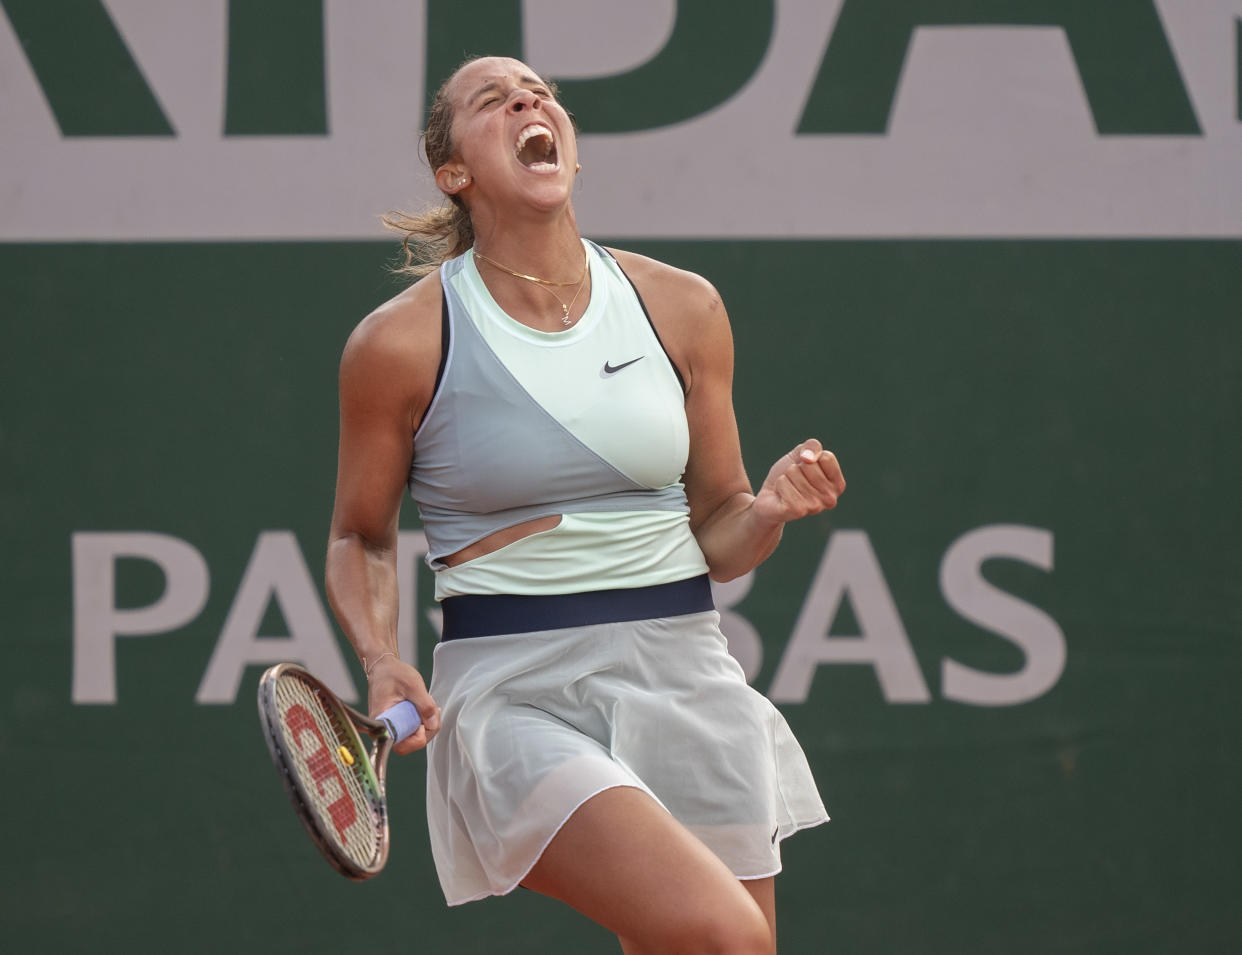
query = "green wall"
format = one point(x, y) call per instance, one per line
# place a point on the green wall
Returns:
point(1055, 360)
point(1089, 388)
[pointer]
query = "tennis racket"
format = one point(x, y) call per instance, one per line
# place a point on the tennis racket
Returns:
point(336, 786)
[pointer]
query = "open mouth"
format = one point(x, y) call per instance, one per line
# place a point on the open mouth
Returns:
point(536, 148)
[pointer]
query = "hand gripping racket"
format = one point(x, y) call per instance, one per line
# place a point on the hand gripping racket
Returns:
point(336, 786)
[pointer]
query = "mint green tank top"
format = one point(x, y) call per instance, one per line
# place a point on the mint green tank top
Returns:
point(587, 423)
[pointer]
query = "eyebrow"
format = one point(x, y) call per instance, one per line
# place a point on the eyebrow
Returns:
point(491, 85)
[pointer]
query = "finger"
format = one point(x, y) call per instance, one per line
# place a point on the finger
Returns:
point(825, 463)
point(825, 480)
point(797, 498)
point(797, 479)
point(809, 450)
point(815, 466)
point(831, 467)
point(430, 715)
point(812, 491)
point(412, 743)
point(815, 471)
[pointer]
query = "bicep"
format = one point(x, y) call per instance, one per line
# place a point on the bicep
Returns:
point(714, 471)
point(381, 393)
point(373, 460)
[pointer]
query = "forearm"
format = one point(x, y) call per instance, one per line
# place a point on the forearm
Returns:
point(735, 539)
point(361, 580)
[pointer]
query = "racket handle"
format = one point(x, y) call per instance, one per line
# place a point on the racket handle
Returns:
point(402, 720)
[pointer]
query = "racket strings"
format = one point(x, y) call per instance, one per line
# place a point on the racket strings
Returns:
point(342, 794)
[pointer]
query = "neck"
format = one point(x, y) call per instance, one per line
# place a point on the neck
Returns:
point(550, 249)
point(552, 254)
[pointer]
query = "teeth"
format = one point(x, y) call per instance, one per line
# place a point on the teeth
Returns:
point(538, 129)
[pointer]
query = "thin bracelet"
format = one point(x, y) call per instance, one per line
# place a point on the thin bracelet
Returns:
point(367, 669)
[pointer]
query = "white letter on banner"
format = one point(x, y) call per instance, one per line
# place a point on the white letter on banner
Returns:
point(1033, 631)
point(849, 566)
point(276, 570)
point(96, 619)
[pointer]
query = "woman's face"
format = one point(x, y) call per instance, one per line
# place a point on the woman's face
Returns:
point(512, 138)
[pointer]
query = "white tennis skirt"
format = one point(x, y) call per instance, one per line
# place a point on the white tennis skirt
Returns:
point(535, 724)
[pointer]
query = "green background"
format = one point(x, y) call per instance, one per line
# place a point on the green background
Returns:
point(1089, 388)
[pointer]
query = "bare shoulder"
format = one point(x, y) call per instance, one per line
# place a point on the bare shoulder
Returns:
point(687, 312)
point(661, 284)
point(401, 336)
point(388, 368)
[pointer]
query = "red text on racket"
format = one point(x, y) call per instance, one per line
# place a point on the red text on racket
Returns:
point(336, 786)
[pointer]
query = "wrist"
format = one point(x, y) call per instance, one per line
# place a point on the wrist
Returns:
point(766, 518)
point(370, 663)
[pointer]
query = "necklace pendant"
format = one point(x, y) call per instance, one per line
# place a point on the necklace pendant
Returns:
point(565, 319)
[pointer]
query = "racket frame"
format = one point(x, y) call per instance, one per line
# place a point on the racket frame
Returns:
point(377, 758)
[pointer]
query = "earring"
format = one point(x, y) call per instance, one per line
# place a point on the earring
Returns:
point(461, 182)
point(578, 168)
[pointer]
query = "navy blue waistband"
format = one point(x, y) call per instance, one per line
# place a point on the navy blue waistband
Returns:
point(485, 615)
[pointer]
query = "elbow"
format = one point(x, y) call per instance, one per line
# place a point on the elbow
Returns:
point(348, 548)
point(348, 538)
point(722, 575)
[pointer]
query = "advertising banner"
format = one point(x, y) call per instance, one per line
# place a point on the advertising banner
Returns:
point(990, 253)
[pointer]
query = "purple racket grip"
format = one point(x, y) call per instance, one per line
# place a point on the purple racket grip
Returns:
point(402, 720)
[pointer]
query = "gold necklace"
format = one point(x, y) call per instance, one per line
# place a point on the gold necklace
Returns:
point(545, 283)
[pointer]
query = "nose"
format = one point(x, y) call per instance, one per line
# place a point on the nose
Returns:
point(523, 99)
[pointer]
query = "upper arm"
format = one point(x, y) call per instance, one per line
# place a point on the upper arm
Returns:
point(387, 374)
point(714, 471)
point(693, 325)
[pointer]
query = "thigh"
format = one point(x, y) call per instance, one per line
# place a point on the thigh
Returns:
point(763, 891)
point(624, 862)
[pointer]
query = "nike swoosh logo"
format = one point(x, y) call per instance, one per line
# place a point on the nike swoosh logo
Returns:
point(610, 369)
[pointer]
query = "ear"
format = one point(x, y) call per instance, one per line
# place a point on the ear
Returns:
point(452, 178)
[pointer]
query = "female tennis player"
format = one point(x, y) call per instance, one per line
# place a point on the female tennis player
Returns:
point(562, 415)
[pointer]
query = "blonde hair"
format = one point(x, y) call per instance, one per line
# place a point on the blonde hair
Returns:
point(445, 231)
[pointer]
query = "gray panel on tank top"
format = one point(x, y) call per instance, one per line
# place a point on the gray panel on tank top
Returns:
point(489, 456)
